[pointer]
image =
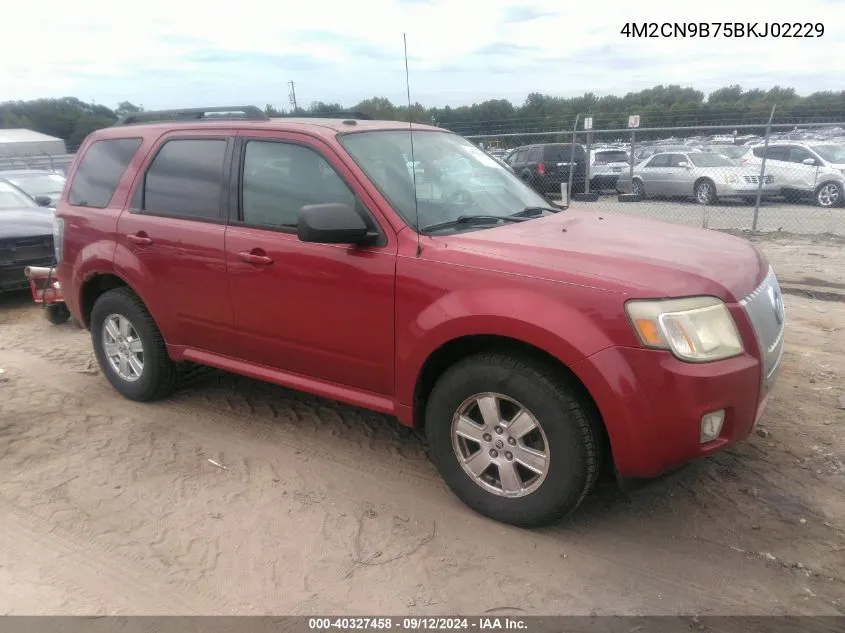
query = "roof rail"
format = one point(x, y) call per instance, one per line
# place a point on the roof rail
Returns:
point(327, 115)
point(251, 113)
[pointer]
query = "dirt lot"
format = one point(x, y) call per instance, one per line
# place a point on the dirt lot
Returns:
point(112, 507)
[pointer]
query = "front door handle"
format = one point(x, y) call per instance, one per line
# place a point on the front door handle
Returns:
point(255, 258)
point(139, 238)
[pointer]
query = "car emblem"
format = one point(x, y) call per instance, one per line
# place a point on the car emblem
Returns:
point(777, 304)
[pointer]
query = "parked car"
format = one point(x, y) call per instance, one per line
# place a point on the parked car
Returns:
point(814, 170)
point(546, 166)
point(704, 176)
point(37, 183)
point(536, 347)
point(605, 167)
point(26, 236)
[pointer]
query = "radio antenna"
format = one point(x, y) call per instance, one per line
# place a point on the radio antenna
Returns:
point(411, 134)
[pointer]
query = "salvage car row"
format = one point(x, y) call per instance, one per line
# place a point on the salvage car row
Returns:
point(797, 170)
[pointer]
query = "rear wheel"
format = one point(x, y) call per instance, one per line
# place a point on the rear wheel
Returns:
point(511, 440)
point(637, 188)
point(129, 347)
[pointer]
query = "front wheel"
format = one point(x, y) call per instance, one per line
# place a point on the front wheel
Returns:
point(637, 188)
point(829, 195)
point(129, 347)
point(705, 192)
point(511, 439)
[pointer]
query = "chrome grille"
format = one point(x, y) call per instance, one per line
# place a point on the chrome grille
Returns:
point(764, 307)
point(756, 179)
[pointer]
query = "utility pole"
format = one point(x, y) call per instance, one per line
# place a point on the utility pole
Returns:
point(292, 94)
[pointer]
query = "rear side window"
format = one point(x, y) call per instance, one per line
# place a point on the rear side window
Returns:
point(185, 179)
point(563, 153)
point(100, 172)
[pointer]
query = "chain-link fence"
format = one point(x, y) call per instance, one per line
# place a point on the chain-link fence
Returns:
point(760, 177)
point(58, 163)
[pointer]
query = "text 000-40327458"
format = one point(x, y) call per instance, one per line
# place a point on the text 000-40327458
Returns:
point(723, 29)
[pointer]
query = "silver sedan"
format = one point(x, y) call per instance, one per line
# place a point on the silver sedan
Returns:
point(704, 176)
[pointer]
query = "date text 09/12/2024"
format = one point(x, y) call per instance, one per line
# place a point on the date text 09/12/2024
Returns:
point(723, 29)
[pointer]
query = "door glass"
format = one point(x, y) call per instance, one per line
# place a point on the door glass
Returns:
point(185, 179)
point(661, 160)
point(281, 178)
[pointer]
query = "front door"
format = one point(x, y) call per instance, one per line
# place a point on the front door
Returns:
point(319, 310)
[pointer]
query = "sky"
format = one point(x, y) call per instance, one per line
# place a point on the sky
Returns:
point(182, 53)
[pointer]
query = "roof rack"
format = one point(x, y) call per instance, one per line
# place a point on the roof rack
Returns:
point(327, 115)
point(251, 113)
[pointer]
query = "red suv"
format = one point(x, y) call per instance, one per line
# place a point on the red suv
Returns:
point(403, 270)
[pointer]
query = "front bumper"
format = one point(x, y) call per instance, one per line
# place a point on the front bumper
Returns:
point(745, 190)
point(652, 404)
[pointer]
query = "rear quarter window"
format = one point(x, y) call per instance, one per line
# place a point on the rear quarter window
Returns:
point(100, 171)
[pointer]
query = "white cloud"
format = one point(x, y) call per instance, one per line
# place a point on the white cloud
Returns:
point(165, 53)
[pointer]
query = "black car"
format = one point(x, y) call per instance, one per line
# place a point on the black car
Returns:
point(37, 183)
point(26, 236)
point(546, 166)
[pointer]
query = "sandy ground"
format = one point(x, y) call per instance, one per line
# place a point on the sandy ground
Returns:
point(112, 507)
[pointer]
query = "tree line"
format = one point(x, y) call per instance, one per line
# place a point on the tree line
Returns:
point(72, 119)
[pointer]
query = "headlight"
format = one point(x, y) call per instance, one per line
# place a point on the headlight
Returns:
point(731, 179)
point(695, 329)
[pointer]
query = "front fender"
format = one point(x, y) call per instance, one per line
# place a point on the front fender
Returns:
point(552, 323)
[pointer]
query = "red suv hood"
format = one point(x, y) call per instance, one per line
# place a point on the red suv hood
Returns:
point(650, 258)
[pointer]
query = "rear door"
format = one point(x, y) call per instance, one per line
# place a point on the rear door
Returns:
point(655, 173)
point(171, 239)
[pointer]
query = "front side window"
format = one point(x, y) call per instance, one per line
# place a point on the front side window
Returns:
point(100, 172)
point(185, 179)
point(460, 179)
point(281, 178)
point(831, 153)
point(660, 160)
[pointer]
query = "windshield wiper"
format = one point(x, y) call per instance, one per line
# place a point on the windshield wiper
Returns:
point(472, 219)
point(533, 212)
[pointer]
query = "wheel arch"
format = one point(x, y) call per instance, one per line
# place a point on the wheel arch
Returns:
point(457, 349)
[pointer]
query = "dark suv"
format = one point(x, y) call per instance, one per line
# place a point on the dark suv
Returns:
point(545, 167)
point(536, 347)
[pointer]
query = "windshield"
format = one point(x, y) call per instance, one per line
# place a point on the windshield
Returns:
point(453, 177)
point(731, 151)
point(617, 156)
point(831, 153)
point(38, 184)
point(707, 159)
point(11, 198)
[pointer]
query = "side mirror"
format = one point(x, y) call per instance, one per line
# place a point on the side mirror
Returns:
point(684, 164)
point(43, 201)
point(809, 161)
point(332, 224)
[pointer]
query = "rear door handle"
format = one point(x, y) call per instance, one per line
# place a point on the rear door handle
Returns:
point(255, 258)
point(139, 238)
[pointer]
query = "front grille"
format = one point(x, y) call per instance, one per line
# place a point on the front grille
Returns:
point(764, 307)
point(756, 179)
point(26, 249)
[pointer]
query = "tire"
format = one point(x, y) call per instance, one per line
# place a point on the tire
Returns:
point(57, 313)
point(828, 195)
point(157, 377)
point(566, 437)
point(705, 192)
point(637, 188)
